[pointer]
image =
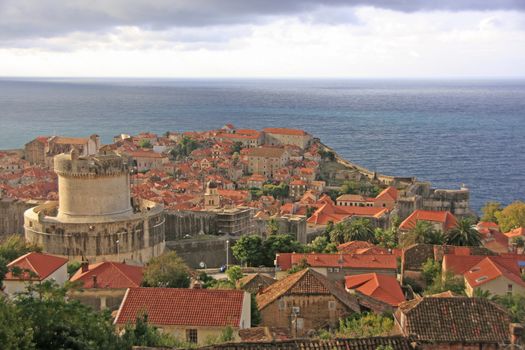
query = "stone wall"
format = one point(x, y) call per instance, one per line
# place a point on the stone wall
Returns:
point(12, 216)
point(212, 252)
point(182, 223)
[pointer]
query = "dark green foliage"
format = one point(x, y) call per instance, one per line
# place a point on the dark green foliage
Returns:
point(167, 270)
point(145, 143)
point(277, 191)
point(255, 313)
point(321, 244)
point(515, 304)
point(248, 250)
point(359, 187)
point(423, 232)
point(464, 234)
point(236, 148)
point(299, 267)
point(15, 331)
point(431, 271)
point(72, 267)
point(143, 334)
point(279, 244)
point(184, 147)
point(365, 325)
point(359, 229)
point(489, 211)
point(14, 246)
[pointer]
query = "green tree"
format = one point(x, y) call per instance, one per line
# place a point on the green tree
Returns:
point(143, 334)
point(3, 270)
point(365, 325)
point(338, 233)
point(249, 250)
point(489, 211)
point(237, 146)
point(280, 244)
point(386, 238)
point(72, 267)
point(59, 323)
point(234, 273)
point(255, 313)
point(14, 246)
point(360, 229)
point(299, 267)
point(513, 216)
point(518, 241)
point(515, 304)
point(272, 227)
point(431, 271)
point(448, 282)
point(15, 331)
point(349, 187)
point(464, 234)
point(321, 245)
point(423, 232)
point(145, 143)
point(167, 270)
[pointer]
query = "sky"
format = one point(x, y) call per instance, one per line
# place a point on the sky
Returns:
point(266, 38)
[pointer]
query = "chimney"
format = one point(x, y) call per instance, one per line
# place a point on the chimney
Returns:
point(516, 333)
point(94, 281)
point(84, 265)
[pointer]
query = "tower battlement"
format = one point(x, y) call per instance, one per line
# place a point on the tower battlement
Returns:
point(71, 165)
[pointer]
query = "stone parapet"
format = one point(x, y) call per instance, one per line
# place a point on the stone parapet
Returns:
point(70, 165)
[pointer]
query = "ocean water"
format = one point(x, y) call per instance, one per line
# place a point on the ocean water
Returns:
point(449, 132)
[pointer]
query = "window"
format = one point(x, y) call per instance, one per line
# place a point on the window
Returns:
point(336, 269)
point(191, 336)
point(509, 289)
point(330, 269)
point(331, 305)
point(281, 304)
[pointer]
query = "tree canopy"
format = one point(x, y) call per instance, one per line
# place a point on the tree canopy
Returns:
point(513, 216)
point(167, 270)
point(464, 234)
point(489, 211)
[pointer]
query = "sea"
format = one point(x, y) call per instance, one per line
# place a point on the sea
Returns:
point(449, 132)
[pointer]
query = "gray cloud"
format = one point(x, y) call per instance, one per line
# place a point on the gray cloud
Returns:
point(26, 19)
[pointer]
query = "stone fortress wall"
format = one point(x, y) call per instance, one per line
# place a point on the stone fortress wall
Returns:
point(95, 218)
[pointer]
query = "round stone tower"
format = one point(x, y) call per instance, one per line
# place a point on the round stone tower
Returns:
point(93, 186)
point(95, 217)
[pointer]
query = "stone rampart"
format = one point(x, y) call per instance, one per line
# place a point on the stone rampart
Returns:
point(182, 223)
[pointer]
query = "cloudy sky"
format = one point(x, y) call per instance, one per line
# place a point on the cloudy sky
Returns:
point(262, 38)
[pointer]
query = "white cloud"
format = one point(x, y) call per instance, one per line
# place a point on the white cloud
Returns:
point(376, 43)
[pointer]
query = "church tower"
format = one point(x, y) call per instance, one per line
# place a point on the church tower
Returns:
point(212, 199)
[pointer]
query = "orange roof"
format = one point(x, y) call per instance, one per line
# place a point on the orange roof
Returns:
point(110, 275)
point(40, 264)
point(352, 246)
point(70, 140)
point(444, 217)
point(285, 131)
point(488, 224)
point(378, 286)
point(186, 307)
point(489, 269)
point(520, 231)
point(145, 154)
point(459, 264)
point(353, 198)
point(389, 193)
point(330, 212)
point(373, 261)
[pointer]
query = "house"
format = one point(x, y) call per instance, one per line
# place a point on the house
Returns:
point(34, 267)
point(195, 315)
point(266, 160)
point(328, 212)
point(297, 188)
point(337, 266)
point(284, 136)
point(246, 137)
point(105, 283)
point(35, 151)
point(496, 276)
point(378, 292)
point(305, 301)
point(386, 199)
point(147, 160)
point(454, 323)
point(256, 181)
point(440, 220)
point(253, 283)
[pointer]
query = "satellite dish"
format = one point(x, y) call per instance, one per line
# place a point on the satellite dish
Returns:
point(202, 264)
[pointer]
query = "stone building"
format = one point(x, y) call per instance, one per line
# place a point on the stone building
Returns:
point(266, 160)
point(12, 215)
point(95, 217)
point(236, 221)
point(211, 196)
point(283, 136)
point(304, 302)
point(420, 195)
point(41, 150)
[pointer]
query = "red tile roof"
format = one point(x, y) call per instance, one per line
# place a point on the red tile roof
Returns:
point(110, 275)
point(444, 217)
point(520, 231)
point(491, 268)
point(330, 212)
point(185, 307)
point(384, 288)
point(352, 246)
point(42, 265)
point(285, 131)
point(378, 261)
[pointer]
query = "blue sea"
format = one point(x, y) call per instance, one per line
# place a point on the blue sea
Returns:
point(449, 132)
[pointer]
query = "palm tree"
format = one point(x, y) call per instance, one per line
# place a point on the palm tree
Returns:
point(423, 232)
point(337, 234)
point(360, 229)
point(464, 234)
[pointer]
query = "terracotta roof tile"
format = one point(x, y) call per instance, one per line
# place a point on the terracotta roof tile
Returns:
point(40, 264)
point(384, 288)
point(187, 307)
point(444, 217)
point(110, 275)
